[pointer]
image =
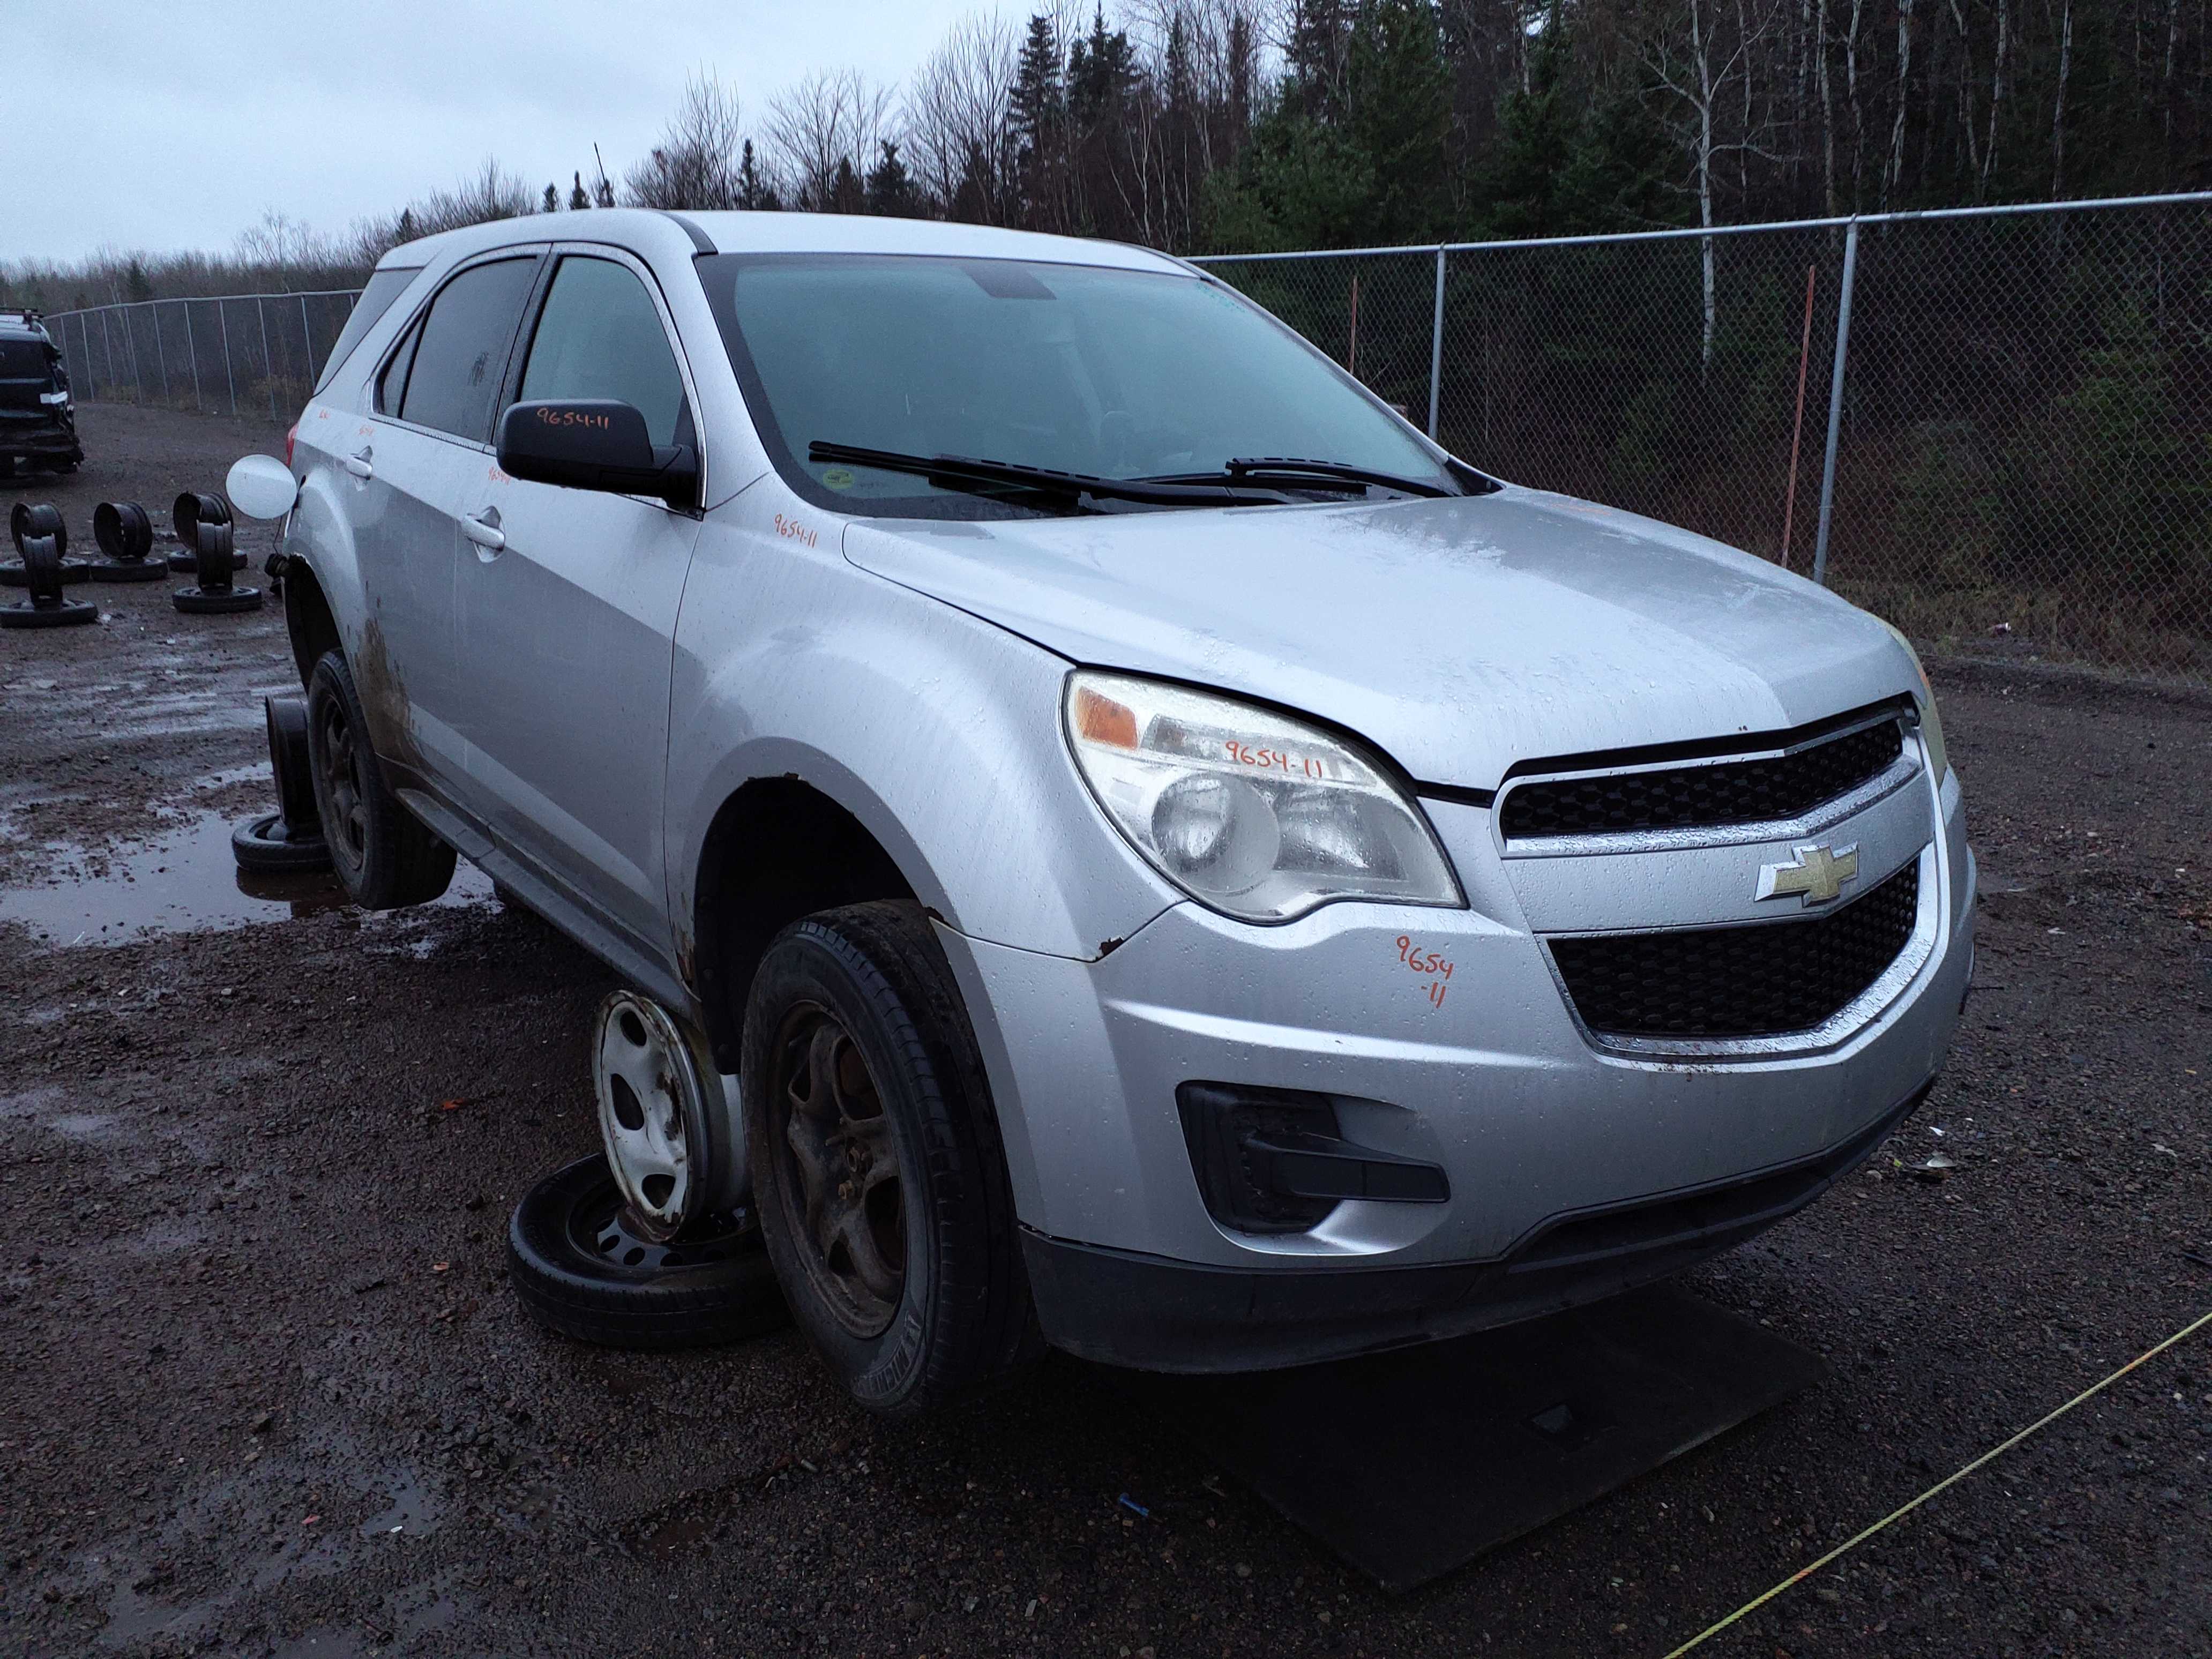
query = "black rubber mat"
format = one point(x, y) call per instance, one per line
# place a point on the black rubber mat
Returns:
point(1411, 1463)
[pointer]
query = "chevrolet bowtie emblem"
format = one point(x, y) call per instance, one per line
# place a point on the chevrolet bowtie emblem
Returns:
point(1817, 873)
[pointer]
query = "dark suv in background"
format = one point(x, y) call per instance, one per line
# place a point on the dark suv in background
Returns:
point(38, 421)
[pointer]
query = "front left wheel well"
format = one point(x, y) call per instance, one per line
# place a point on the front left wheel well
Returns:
point(307, 618)
point(778, 849)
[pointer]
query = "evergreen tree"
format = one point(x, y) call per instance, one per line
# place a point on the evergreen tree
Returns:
point(755, 193)
point(1298, 183)
point(1314, 56)
point(1398, 116)
point(1037, 123)
point(974, 203)
point(847, 193)
point(579, 198)
point(137, 285)
point(552, 199)
point(891, 189)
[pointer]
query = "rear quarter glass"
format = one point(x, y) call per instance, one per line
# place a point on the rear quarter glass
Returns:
point(383, 288)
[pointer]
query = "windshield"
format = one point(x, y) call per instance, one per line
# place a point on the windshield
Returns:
point(1077, 368)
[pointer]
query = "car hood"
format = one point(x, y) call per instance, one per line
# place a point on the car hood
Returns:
point(1459, 635)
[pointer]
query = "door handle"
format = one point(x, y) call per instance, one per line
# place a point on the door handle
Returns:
point(485, 530)
point(358, 462)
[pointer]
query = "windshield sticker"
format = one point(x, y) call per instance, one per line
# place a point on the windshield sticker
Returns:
point(1429, 964)
point(837, 478)
point(795, 531)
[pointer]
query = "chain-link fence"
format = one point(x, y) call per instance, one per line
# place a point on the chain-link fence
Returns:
point(1993, 427)
point(237, 353)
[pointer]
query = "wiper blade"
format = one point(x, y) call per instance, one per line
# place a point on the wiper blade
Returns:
point(1293, 467)
point(974, 473)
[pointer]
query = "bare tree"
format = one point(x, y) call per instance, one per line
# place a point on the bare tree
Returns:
point(2058, 104)
point(695, 165)
point(1692, 69)
point(830, 116)
point(1894, 169)
point(958, 106)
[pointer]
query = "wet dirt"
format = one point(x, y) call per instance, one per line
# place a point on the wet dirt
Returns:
point(252, 1311)
point(185, 880)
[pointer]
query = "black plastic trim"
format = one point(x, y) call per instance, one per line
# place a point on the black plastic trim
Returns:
point(1152, 1313)
point(1745, 744)
point(1455, 794)
point(700, 242)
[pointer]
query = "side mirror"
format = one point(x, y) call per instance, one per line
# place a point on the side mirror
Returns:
point(261, 486)
point(595, 443)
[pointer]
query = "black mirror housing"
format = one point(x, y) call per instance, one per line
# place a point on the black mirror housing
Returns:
point(595, 443)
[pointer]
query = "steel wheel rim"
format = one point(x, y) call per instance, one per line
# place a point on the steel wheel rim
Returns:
point(639, 1073)
point(842, 1193)
point(345, 825)
point(602, 1227)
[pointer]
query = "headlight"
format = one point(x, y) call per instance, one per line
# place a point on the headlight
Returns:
point(1931, 723)
point(1258, 815)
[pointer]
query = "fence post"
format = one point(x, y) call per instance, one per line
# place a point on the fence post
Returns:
point(307, 337)
point(1836, 402)
point(107, 344)
point(1437, 349)
point(161, 351)
point(199, 402)
point(268, 368)
point(229, 375)
point(231, 379)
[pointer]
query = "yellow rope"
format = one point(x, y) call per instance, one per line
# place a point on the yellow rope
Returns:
point(1808, 1571)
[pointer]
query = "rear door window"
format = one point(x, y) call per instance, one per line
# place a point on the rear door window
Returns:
point(460, 359)
point(600, 336)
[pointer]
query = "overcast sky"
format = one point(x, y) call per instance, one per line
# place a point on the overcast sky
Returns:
point(175, 124)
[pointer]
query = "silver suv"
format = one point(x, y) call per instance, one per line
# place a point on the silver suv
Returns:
point(1152, 855)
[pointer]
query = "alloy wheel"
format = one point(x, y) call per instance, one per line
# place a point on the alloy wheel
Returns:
point(842, 1196)
point(346, 824)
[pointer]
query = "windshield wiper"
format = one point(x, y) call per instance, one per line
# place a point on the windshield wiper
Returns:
point(1295, 467)
point(971, 472)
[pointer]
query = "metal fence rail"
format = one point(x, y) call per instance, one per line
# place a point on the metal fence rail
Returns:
point(234, 353)
point(1991, 426)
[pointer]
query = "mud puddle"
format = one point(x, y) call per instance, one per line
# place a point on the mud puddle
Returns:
point(184, 881)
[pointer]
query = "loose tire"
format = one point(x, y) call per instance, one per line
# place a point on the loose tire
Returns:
point(578, 1269)
point(265, 847)
point(385, 856)
point(876, 1164)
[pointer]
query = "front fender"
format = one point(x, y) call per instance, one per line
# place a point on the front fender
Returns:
point(938, 731)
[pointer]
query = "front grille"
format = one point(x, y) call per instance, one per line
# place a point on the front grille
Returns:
point(1703, 797)
point(1762, 980)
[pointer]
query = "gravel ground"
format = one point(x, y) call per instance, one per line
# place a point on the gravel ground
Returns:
point(266, 1391)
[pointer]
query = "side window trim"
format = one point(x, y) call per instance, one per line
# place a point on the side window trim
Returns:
point(538, 252)
point(687, 425)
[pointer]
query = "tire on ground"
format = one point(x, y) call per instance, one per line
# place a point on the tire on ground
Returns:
point(384, 855)
point(579, 1272)
point(961, 1316)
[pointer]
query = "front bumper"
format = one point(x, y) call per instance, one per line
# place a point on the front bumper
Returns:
point(1546, 1135)
point(1125, 1309)
point(40, 436)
